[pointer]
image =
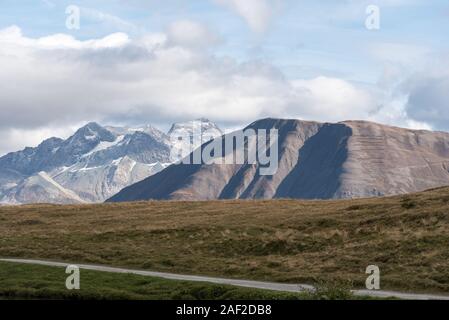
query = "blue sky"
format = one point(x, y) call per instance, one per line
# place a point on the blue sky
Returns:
point(238, 59)
point(304, 38)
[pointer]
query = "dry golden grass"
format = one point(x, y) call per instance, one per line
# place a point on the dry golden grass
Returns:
point(282, 240)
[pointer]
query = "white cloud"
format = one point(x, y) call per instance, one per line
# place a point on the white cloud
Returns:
point(429, 99)
point(257, 13)
point(417, 80)
point(330, 99)
point(13, 39)
point(393, 111)
point(15, 139)
point(59, 82)
point(191, 34)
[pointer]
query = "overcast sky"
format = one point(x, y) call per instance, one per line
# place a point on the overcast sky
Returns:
point(233, 61)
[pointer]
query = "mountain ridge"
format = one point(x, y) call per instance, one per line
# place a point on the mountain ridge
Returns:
point(348, 159)
point(94, 163)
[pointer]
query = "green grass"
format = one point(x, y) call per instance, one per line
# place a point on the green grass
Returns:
point(22, 281)
point(281, 240)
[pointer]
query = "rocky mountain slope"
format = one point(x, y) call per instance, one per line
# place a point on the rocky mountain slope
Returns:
point(41, 188)
point(350, 159)
point(90, 166)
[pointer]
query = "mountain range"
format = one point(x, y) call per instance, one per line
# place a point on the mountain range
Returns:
point(350, 159)
point(345, 160)
point(93, 164)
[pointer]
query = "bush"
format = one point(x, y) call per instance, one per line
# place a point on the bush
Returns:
point(332, 290)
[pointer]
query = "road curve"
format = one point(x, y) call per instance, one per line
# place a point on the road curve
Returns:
point(296, 288)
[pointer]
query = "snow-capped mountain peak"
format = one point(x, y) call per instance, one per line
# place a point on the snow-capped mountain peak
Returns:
point(92, 132)
point(147, 129)
point(90, 166)
point(188, 136)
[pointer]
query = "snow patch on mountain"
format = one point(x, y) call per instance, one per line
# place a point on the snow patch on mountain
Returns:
point(103, 145)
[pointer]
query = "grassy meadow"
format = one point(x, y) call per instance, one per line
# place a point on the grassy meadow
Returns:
point(21, 281)
point(281, 240)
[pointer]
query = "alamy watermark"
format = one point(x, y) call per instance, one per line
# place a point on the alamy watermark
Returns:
point(373, 280)
point(73, 21)
point(372, 21)
point(73, 280)
point(249, 146)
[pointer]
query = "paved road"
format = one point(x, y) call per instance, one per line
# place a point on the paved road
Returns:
point(240, 283)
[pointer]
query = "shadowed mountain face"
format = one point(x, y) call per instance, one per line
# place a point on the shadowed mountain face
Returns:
point(316, 161)
point(320, 166)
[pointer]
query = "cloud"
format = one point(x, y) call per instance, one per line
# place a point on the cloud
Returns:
point(191, 34)
point(416, 82)
point(429, 100)
point(257, 13)
point(15, 139)
point(58, 82)
point(330, 99)
point(13, 41)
